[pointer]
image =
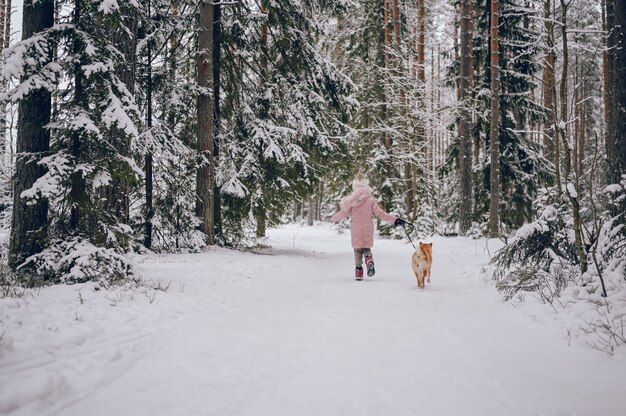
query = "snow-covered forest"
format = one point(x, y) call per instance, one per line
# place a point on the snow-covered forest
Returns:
point(167, 163)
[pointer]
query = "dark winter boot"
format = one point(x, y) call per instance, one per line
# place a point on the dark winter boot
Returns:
point(369, 262)
point(358, 273)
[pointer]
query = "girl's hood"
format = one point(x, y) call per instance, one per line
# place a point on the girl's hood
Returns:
point(356, 198)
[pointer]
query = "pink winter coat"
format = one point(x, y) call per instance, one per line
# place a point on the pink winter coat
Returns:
point(361, 205)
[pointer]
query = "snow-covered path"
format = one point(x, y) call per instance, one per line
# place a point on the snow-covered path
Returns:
point(290, 332)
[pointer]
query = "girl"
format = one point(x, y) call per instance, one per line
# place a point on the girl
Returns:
point(360, 204)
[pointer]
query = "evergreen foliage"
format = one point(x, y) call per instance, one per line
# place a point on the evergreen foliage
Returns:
point(285, 109)
point(94, 115)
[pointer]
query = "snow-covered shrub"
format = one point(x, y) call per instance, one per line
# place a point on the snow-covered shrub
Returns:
point(78, 261)
point(540, 256)
point(541, 259)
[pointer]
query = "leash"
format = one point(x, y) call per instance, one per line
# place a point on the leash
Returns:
point(407, 234)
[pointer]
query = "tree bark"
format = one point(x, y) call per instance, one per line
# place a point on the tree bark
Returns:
point(260, 211)
point(570, 177)
point(421, 42)
point(465, 128)
point(563, 91)
point(605, 68)
point(310, 212)
point(387, 30)
point(149, 210)
point(611, 46)
point(28, 226)
point(205, 178)
point(494, 129)
point(5, 38)
point(618, 130)
point(217, 57)
point(548, 83)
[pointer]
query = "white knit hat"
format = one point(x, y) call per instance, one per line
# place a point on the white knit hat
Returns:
point(360, 182)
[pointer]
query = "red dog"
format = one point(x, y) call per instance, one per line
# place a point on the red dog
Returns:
point(422, 261)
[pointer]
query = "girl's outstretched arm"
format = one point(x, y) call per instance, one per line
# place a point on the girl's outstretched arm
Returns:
point(380, 213)
point(339, 216)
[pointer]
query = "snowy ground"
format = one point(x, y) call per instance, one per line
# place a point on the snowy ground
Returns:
point(289, 332)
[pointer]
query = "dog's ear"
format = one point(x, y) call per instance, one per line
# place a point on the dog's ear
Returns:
point(430, 244)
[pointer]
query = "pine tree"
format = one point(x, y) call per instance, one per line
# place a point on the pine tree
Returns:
point(95, 117)
point(29, 225)
point(616, 134)
point(284, 104)
point(494, 122)
point(206, 168)
point(464, 130)
point(521, 167)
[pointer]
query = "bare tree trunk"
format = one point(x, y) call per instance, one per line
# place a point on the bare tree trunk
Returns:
point(611, 46)
point(564, 92)
point(309, 219)
point(395, 9)
point(387, 30)
point(465, 128)
point(605, 67)
point(550, 44)
point(149, 210)
point(457, 51)
point(570, 177)
point(421, 42)
point(205, 179)
point(260, 212)
point(548, 83)
point(472, 105)
point(5, 38)
point(28, 226)
point(217, 58)
point(582, 140)
point(78, 194)
point(619, 126)
point(494, 130)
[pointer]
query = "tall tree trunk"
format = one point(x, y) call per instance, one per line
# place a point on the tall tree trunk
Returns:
point(548, 83)
point(78, 193)
point(555, 131)
point(411, 170)
point(149, 213)
point(563, 91)
point(618, 127)
point(605, 68)
point(5, 38)
point(260, 211)
point(310, 212)
point(387, 29)
point(385, 49)
point(205, 179)
point(465, 128)
point(28, 226)
point(577, 117)
point(472, 106)
point(421, 42)
point(611, 98)
point(456, 46)
point(494, 130)
point(217, 44)
point(570, 177)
